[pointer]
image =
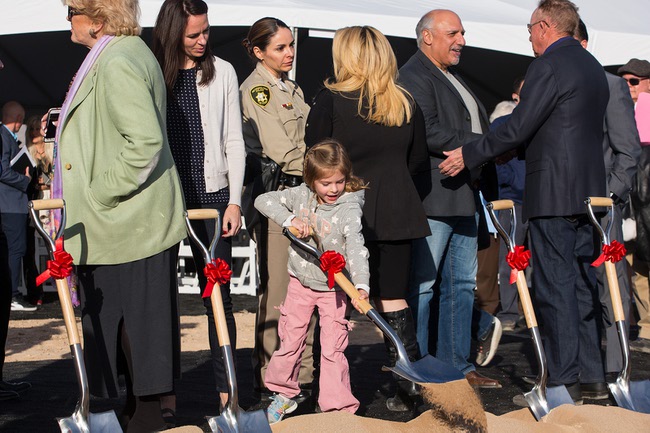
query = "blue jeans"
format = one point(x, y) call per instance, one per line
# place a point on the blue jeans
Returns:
point(446, 257)
point(566, 297)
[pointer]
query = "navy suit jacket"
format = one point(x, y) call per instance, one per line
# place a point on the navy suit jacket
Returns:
point(13, 185)
point(560, 122)
point(448, 126)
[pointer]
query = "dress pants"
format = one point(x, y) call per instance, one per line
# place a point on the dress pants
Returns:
point(566, 297)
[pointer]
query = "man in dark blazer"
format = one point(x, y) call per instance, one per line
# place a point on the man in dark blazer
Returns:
point(13, 224)
point(560, 122)
point(448, 257)
point(622, 150)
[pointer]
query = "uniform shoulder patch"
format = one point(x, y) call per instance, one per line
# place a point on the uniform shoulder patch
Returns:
point(261, 95)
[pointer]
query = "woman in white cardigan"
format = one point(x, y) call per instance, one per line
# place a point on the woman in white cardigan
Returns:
point(205, 136)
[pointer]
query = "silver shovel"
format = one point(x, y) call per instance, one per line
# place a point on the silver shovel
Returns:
point(629, 395)
point(541, 399)
point(425, 370)
point(81, 421)
point(232, 418)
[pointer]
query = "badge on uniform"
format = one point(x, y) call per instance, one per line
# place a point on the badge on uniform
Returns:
point(288, 106)
point(261, 95)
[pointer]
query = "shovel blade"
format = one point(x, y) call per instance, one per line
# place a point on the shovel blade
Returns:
point(244, 422)
point(103, 422)
point(426, 370)
point(621, 392)
point(541, 403)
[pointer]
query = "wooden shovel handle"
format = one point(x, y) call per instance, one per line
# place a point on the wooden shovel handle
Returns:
point(614, 291)
point(526, 303)
point(344, 283)
point(46, 204)
point(68, 311)
point(219, 316)
point(202, 214)
point(502, 204)
point(600, 201)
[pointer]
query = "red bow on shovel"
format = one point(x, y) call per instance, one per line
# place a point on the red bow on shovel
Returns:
point(216, 271)
point(332, 263)
point(613, 252)
point(60, 267)
point(518, 261)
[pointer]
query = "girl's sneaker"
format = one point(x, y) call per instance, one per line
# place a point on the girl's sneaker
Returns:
point(279, 407)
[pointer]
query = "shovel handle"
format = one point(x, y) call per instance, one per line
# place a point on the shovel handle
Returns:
point(47, 204)
point(344, 283)
point(68, 311)
point(202, 214)
point(600, 201)
point(526, 302)
point(502, 204)
point(614, 292)
point(219, 316)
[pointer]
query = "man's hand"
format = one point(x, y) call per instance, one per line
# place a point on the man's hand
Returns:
point(454, 163)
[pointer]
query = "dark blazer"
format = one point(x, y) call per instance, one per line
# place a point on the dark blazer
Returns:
point(560, 121)
point(385, 157)
point(621, 140)
point(13, 185)
point(448, 126)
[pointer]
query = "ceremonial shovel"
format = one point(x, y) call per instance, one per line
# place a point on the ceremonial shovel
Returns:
point(81, 421)
point(425, 370)
point(232, 418)
point(635, 395)
point(541, 399)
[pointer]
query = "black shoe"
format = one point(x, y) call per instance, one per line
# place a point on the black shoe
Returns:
point(487, 347)
point(18, 303)
point(8, 395)
point(594, 391)
point(640, 345)
point(14, 386)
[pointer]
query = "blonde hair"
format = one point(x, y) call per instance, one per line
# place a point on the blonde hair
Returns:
point(365, 62)
point(325, 157)
point(120, 17)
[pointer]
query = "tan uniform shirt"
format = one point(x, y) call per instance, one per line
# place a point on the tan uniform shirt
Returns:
point(274, 119)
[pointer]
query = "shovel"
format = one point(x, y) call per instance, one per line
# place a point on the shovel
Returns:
point(425, 370)
point(541, 399)
point(81, 421)
point(232, 418)
point(635, 395)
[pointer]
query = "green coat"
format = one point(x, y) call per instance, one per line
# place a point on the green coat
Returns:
point(123, 196)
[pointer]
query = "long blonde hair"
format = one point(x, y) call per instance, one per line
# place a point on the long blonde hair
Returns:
point(365, 62)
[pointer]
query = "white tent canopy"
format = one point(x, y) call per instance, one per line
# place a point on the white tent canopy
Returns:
point(618, 29)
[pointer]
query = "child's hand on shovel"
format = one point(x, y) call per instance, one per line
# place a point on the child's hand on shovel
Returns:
point(301, 226)
point(355, 302)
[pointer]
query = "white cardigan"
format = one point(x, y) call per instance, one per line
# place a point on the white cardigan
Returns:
point(225, 154)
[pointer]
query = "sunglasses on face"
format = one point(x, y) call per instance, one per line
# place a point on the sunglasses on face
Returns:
point(635, 81)
point(72, 12)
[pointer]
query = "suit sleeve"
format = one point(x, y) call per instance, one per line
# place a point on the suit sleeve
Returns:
point(125, 84)
point(539, 96)
point(623, 139)
point(319, 121)
point(439, 137)
point(8, 175)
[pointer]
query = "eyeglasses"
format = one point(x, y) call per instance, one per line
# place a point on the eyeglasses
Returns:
point(530, 26)
point(72, 12)
point(635, 81)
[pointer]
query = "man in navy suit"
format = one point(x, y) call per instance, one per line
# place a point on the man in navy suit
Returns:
point(559, 121)
point(13, 241)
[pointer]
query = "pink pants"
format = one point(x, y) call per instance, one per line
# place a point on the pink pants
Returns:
point(282, 372)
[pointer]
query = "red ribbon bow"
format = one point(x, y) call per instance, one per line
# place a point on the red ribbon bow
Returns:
point(217, 271)
point(331, 262)
point(60, 267)
point(518, 261)
point(613, 252)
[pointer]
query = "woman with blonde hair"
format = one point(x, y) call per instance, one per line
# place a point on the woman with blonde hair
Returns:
point(114, 168)
point(383, 131)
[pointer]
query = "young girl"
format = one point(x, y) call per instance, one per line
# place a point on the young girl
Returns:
point(328, 203)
